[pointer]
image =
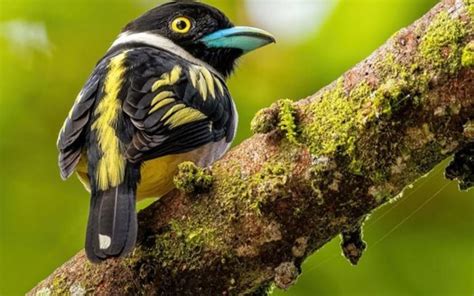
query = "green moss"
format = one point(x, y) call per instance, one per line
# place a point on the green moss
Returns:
point(389, 95)
point(267, 185)
point(467, 59)
point(338, 117)
point(469, 130)
point(242, 193)
point(231, 187)
point(361, 92)
point(184, 242)
point(392, 68)
point(193, 238)
point(59, 286)
point(439, 46)
point(281, 115)
point(205, 228)
point(321, 175)
point(191, 178)
point(334, 122)
point(470, 8)
point(378, 177)
point(265, 121)
point(286, 118)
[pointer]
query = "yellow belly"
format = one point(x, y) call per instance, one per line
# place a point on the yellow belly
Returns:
point(156, 175)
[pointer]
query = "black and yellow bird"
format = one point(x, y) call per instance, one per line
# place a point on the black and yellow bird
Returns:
point(156, 99)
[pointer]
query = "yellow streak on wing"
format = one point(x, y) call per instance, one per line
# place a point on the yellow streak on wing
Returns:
point(202, 87)
point(184, 116)
point(193, 73)
point(168, 78)
point(219, 86)
point(175, 74)
point(209, 81)
point(173, 109)
point(111, 166)
point(203, 81)
point(161, 104)
point(161, 96)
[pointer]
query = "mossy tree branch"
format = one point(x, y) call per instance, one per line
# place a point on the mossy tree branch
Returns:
point(316, 169)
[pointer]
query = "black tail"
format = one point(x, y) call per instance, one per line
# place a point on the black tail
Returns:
point(112, 227)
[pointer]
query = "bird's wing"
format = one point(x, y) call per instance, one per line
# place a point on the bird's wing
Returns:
point(175, 106)
point(72, 135)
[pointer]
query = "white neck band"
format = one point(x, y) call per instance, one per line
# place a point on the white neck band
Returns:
point(161, 42)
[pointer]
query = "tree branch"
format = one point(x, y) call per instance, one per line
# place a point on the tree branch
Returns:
point(316, 169)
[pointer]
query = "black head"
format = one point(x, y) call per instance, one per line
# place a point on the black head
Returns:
point(203, 31)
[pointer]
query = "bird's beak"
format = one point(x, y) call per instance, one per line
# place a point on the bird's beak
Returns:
point(246, 39)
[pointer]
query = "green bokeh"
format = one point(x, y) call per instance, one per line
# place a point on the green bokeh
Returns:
point(42, 219)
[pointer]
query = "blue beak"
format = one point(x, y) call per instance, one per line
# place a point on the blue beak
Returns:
point(246, 39)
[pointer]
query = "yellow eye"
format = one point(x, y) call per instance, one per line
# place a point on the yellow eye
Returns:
point(181, 25)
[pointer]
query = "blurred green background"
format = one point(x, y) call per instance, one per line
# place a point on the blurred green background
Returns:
point(47, 50)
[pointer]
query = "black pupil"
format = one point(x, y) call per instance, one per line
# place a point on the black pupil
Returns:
point(181, 25)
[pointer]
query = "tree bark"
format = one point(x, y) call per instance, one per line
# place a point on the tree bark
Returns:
point(314, 169)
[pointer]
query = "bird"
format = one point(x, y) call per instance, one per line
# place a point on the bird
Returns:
point(157, 98)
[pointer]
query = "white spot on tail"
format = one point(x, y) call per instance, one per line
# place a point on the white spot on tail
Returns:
point(104, 241)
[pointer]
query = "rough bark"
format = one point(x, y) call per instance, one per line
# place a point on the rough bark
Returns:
point(315, 169)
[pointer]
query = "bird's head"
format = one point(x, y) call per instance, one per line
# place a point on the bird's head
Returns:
point(201, 30)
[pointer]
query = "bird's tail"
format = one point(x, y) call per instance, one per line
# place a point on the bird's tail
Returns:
point(112, 226)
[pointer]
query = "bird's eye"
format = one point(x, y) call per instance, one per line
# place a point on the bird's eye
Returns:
point(181, 25)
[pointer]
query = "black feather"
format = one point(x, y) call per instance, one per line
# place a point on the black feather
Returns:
point(72, 138)
point(112, 226)
point(153, 138)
